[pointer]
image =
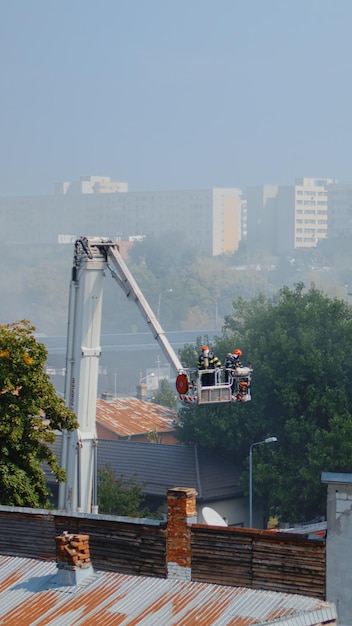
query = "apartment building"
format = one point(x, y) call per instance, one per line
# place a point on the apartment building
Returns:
point(91, 184)
point(282, 218)
point(261, 218)
point(340, 210)
point(209, 219)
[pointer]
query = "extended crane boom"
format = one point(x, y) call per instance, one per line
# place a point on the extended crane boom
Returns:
point(92, 257)
point(79, 449)
point(124, 278)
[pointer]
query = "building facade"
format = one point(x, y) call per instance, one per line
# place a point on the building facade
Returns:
point(340, 211)
point(282, 218)
point(209, 219)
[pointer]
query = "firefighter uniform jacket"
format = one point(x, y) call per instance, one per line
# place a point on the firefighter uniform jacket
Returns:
point(213, 361)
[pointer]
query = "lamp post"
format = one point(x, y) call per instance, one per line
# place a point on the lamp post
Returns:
point(145, 378)
point(159, 301)
point(257, 443)
point(143, 387)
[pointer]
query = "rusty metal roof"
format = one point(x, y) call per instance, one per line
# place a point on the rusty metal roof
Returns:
point(131, 416)
point(30, 595)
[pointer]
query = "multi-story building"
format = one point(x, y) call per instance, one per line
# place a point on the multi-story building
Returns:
point(209, 219)
point(261, 218)
point(91, 184)
point(282, 218)
point(340, 210)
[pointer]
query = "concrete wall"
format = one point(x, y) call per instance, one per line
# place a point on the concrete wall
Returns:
point(339, 544)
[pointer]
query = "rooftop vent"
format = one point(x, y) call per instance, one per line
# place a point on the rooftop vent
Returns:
point(108, 397)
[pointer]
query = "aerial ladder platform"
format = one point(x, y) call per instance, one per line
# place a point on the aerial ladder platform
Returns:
point(93, 257)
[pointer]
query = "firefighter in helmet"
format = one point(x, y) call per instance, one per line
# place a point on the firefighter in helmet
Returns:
point(232, 362)
point(208, 361)
point(233, 359)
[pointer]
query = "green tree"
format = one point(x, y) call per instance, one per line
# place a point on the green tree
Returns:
point(30, 412)
point(121, 496)
point(165, 396)
point(299, 343)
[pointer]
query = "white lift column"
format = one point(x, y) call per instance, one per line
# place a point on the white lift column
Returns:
point(79, 448)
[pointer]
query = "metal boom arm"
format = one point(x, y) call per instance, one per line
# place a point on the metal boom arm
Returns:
point(79, 449)
point(124, 278)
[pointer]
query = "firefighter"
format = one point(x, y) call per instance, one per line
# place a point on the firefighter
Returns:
point(232, 362)
point(208, 361)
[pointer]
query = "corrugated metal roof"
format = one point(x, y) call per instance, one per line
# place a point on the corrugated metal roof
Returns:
point(336, 477)
point(31, 596)
point(131, 416)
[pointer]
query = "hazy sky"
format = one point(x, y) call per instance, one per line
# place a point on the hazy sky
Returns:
point(174, 94)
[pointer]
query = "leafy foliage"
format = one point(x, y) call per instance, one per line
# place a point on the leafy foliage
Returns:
point(300, 345)
point(165, 396)
point(121, 496)
point(30, 411)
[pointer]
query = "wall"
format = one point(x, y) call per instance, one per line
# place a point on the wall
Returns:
point(227, 556)
point(339, 544)
point(125, 545)
point(258, 559)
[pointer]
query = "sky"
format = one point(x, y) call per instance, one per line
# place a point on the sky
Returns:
point(174, 94)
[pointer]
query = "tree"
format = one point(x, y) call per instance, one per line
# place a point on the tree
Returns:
point(165, 396)
point(30, 412)
point(121, 496)
point(299, 343)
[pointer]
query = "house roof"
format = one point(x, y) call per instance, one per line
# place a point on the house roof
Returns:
point(131, 416)
point(159, 467)
point(30, 593)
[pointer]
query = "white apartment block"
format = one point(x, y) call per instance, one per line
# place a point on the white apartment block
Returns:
point(209, 219)
point(290, 216)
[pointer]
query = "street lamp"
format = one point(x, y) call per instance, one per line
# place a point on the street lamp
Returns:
point(143, 386)
point(257, 443)
point(145, 378)
point(159, 301)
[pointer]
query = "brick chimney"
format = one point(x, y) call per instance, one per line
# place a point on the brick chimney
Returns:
point(182, 512)
point(72, 558)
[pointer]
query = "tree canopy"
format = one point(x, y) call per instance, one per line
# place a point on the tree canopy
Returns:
point(299, 343)
point(164, 395)
point(30, 412)
point(121, 495)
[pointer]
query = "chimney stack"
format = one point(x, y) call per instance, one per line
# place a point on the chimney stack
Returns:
point(181, 514)
point(72, 558)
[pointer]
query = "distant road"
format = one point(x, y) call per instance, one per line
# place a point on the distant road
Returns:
point(129, 342)
point(125, 357)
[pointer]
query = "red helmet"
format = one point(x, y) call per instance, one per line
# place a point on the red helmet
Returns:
point(205, 348)
point(237, 352)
